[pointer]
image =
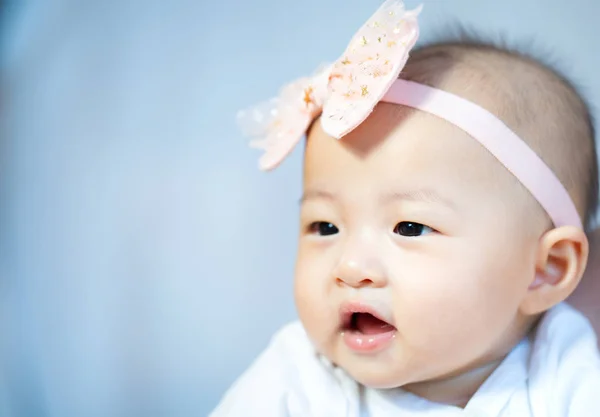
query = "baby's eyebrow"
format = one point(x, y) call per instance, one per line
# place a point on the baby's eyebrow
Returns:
point(427, 195)
point(316, 194)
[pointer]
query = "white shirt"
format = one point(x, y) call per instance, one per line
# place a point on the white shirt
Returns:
point(555, 373)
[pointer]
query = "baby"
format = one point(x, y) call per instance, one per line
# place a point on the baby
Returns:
point(439, 236)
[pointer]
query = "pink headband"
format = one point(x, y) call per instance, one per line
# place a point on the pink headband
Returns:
point(346, 93)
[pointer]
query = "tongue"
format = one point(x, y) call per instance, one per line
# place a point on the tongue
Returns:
point(368, 324)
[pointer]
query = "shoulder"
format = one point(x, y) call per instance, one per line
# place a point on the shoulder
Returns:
point(566, 338)
point(565, 364)
point(292, 338)
point(284, 380)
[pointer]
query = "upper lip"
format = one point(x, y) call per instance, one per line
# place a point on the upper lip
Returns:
point(348, 308)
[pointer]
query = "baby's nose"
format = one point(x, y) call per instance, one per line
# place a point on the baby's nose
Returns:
point(360, 267)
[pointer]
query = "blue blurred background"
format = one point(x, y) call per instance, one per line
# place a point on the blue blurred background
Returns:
point(144, 260)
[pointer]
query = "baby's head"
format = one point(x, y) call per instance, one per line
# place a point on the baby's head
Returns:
point(432, 238)
point(413, 222)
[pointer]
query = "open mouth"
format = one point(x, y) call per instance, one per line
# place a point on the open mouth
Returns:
point(367, 324)
point(364, 330)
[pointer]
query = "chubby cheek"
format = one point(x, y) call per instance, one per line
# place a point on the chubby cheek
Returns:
point(312, 294)
point(442, 303)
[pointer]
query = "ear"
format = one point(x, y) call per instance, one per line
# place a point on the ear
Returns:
point(560, 262)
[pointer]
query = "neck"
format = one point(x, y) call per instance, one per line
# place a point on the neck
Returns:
point(454, 390)
point(458, 388)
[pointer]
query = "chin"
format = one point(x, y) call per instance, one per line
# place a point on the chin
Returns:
point(376, 378)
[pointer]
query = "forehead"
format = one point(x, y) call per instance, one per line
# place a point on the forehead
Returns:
point(403, 147)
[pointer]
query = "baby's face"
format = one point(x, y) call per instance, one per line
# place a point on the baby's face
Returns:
point(414, 255)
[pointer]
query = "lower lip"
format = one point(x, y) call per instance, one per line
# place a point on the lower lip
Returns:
point(368, 343)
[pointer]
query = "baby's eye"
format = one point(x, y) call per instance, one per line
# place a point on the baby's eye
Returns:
point(412, 229)
point(323, 228)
